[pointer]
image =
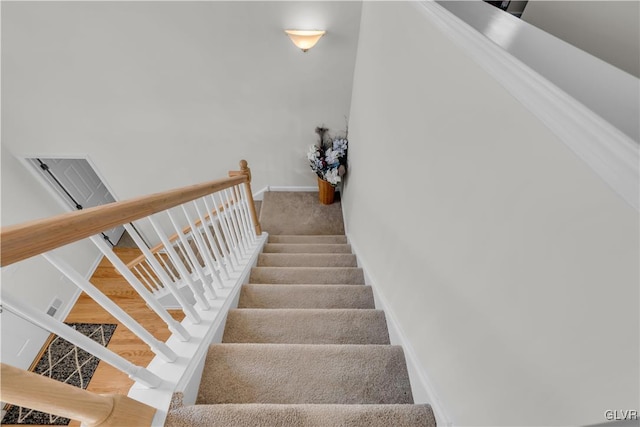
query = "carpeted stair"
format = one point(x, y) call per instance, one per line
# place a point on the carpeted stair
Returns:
point(305, 347)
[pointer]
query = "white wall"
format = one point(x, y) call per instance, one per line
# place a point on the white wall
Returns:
point(606, 90)
point(510, 266)
point(161, 95)
point(34, 280)
point(609, 29)
point(165, 94)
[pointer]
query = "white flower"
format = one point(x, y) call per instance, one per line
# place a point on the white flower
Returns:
point(331, 157)
point(340, 145)
point(312, 154)
point(332, 176)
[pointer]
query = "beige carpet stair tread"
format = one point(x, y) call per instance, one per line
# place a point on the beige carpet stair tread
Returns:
point(296, 238)
point(303, 373)
point(231, 415)
point(306, 326)
point(306, 296)
point(307, 275)
point(305, 347)
point(306, 260)
point(320, 248)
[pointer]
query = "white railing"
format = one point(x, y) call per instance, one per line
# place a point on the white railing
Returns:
point(209, 240)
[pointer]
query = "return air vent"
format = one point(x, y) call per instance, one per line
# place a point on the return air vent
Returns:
point(53, 308)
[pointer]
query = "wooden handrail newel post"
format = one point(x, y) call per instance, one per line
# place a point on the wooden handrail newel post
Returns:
point(244, 170)
point(44, 394)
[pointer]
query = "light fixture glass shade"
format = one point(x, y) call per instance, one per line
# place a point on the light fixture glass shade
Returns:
point(305, 39)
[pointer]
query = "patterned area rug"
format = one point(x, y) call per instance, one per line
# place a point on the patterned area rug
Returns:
point(67, 363)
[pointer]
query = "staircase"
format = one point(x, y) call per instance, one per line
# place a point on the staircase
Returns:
point(305, 347)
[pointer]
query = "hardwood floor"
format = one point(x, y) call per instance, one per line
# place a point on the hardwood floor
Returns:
point(106, 378)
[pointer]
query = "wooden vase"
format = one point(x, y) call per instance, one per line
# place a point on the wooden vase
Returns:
point(326, 192)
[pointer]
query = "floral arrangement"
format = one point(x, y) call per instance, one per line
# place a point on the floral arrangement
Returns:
point(328, 159)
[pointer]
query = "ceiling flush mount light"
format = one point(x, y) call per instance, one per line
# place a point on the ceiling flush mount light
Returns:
point(305, 39)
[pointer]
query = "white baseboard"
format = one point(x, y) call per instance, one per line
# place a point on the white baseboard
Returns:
point(421, 386)
point(259, 195)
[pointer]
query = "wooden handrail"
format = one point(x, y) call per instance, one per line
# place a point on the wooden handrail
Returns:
point(244, 170)
point(22, 241)
point(44, 394)
point(173, 238)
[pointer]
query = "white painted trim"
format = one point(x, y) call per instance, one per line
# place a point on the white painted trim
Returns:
point(421, 386)
point(58, 196)
point(259, 195)
point(24, 159)
point(608, 151)
point(293, 188)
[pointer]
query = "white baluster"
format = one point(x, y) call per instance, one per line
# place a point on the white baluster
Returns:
point(184, 257)
point(187, 308)
point(234, 223)
point(252, 225)
point(172, 273)
point(239, 203)
point(225, 223)
point(226, 243)
point(152, 280)
point(192, 256)
point(228, 214)
point(141, 275)
point(158, 347)
point(55, 326)
point(174, 326)
point(222, 262)
point(202, 248)
point(236, 212)
point(242, 224)
point(175, 258)
point(198, 240)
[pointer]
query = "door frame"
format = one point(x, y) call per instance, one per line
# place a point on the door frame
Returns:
point(57, 195)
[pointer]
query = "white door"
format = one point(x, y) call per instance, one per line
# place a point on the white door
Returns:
point(21, 340)
point(78, 185)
